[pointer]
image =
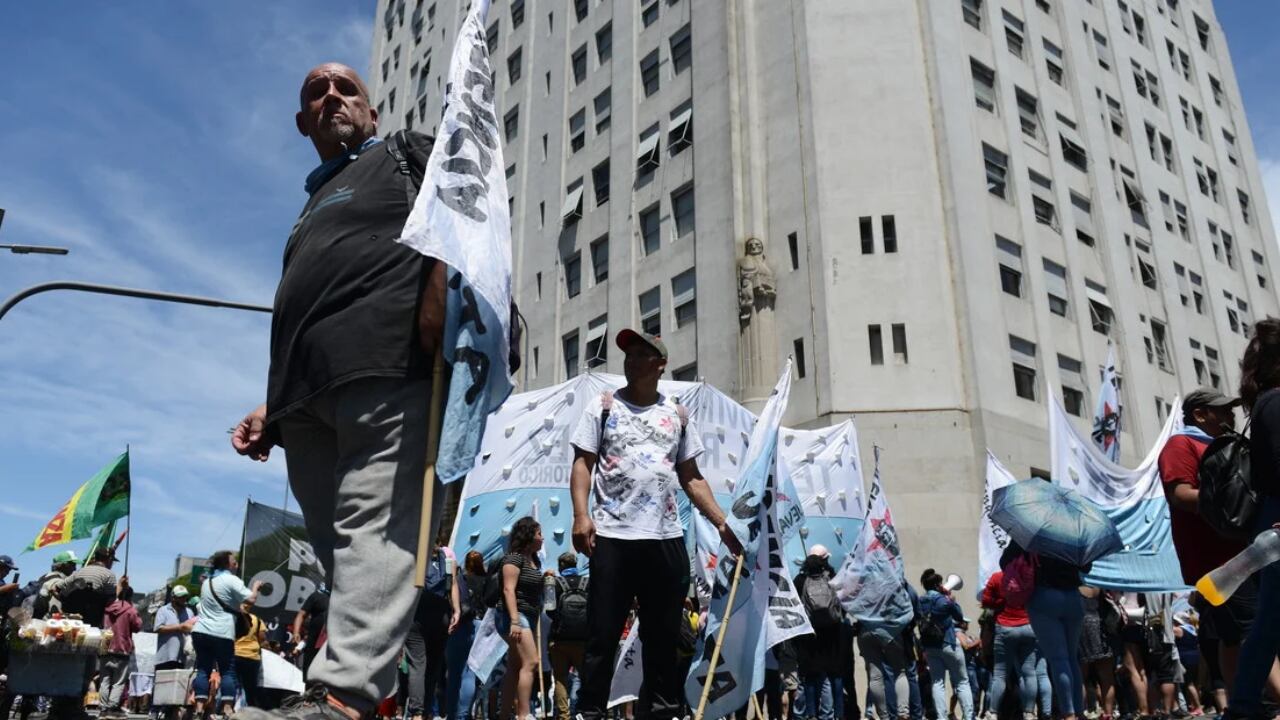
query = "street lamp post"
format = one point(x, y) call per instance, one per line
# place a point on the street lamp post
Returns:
point(126, 292)
point(31, 249)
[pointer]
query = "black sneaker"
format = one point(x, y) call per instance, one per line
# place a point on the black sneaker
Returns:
point(311, 705)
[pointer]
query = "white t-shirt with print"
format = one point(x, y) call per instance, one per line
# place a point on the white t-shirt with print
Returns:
point(634, 483)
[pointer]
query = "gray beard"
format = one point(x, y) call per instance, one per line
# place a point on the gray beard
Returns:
point(341, 131)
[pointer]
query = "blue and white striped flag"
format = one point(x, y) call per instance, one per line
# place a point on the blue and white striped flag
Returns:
point(1106, 417)
point(462, 218)
point(754, 624)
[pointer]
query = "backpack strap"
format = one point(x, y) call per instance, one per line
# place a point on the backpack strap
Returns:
point(399, 151)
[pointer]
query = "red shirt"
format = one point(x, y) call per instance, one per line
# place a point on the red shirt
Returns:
point(1200, 549)
point(993, 597)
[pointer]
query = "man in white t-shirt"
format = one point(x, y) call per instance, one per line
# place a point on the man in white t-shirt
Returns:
point(633, 450)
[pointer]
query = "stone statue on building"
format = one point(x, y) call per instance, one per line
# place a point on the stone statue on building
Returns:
point(755, 282)
point(758, 338)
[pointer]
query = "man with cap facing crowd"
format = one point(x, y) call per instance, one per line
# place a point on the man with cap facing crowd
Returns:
point(632, 450)
point(173, 623)
point(1207, 414)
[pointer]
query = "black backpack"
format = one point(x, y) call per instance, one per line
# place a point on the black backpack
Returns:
point(821, 603)
point(571, 610)
point(1228, 501)
point(931, 632)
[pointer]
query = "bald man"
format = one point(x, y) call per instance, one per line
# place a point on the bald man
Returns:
point(356, 320)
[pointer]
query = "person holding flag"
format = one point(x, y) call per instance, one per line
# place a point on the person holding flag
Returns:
point(632, 450)
point(382, 282)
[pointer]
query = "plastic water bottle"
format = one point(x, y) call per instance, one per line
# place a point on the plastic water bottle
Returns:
point(549, 593)
point(1219, 584)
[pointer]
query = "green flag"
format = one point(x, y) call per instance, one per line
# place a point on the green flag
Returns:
point(104, 499)
point(104, 539)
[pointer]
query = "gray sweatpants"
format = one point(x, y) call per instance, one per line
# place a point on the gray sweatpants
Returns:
point(113, 675)
point(356, 455)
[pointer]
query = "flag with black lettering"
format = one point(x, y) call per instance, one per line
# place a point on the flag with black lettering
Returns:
point(766, 608)
point(462, 218)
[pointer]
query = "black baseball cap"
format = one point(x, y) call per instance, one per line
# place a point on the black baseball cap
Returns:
point(1207, 397)
point(628, 337)
point(7, 561)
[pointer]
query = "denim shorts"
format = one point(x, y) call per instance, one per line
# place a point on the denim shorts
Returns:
point(504, 623)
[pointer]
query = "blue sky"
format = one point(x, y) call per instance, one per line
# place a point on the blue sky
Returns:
point(156, 141)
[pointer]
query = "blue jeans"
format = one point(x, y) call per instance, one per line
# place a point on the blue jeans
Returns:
point(1260, 647)
point(822, 694)
point(214, 652)
point(1057, 617)
point(460, 688)
point(1044, 688)
point(944, 661)
point(979, 682)
point(1015, 651)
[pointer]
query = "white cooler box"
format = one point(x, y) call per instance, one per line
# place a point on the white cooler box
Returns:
point(171, 687)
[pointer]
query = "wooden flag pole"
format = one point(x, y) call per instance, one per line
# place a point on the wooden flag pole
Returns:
point(724, 627)
point(429, 478)
point(128, 518)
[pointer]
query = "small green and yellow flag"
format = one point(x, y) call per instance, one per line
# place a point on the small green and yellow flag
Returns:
point(104, 499)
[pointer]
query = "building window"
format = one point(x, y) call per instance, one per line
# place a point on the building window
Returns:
point(580, 9)
point(1053, 63)
point(1148, 274)
point(578, 63)
point(517, 13)
point(573, 275)
point(1137, 205)
point(682, 209)
point(598, 341)
point(536, 365)
point(1073, 154)
point(798, 347)
point(1056, 286)
point(681, 50)
point(491, 38)
point(1100, 313)
point(1160, 342)
point(1245, 211)
point(1013, 30)
point(600, 182)
point(899, 343)
point(889, 233)
point(866, 228)
point(680, 134)
point(572, 210)
point(513, 65)
point(997, 167)
point(984, 85)
point(684, 298)
point(1024, 367)
point(604, 43)
point(793, 244)
point(1071, 372)
point(1101, 50)
point(688, 373)
point(972, 12)
point(511, 124)
point(1028, 113)
point(1202, 33)
point(650, 223)
point(600, 259)
point(1010, 257)
point(571, 360)
point(875, 342)
point(651, 311)
point(578, 130)
point(391, 101)
point(649, 14)
point(649, 72)
point(603, 105)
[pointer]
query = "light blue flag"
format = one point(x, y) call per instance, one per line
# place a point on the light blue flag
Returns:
point(1106, 417)
point(462, 218)
point(753, 519)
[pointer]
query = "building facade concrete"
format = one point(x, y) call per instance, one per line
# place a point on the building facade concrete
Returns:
point(961, 202)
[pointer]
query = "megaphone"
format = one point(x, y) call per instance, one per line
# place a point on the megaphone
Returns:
point(953, 582)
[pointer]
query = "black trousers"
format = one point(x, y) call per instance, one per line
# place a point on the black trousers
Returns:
point(247, 671)
point(654, 574)
point(424, 651)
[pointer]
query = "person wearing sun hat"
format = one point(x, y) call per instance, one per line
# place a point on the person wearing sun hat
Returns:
point(633, 449)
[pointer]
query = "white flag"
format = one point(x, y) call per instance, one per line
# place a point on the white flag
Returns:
point(628, 672)
point(992, 539)
point(462, 218)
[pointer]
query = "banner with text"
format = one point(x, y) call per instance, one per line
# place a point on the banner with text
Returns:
point(276, 551)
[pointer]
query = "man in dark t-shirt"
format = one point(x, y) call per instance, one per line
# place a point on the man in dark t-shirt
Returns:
point(357, 318)
point(309, 623)
point(1207, 414)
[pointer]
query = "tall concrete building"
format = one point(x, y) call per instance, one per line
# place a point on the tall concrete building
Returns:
point(959, 202)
